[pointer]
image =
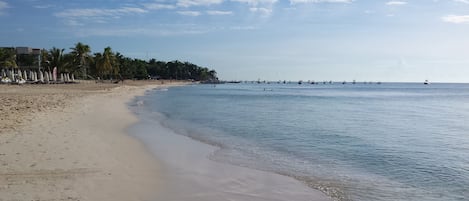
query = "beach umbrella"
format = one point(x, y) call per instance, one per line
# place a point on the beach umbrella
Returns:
point(54, 74)
point(41, 76)
point(73, 78)
point(62, 77)
point(35, 76)
point(12, 75)
point(46, 77)
point(3, 73)
point(25, 75)
point(67, 77)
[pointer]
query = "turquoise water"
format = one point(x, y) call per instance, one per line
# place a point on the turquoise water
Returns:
point(353, 142)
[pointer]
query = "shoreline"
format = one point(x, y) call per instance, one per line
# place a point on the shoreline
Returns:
point(69, 150)
point(71, 143)
point(190, 174)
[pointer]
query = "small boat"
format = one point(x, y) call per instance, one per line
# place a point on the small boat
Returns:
point(20, 81)
point(6, 80)
point(426, 82)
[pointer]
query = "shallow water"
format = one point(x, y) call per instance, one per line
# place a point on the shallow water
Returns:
point(353, 142)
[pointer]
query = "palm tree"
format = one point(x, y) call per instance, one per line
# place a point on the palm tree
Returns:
point(57, 58)
point(45, 59)
point(106, 63)
point(81, 53)
point(96, 66)
point(8, 58)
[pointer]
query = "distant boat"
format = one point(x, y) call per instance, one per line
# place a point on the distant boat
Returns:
point(426, 82)
point(300, 82)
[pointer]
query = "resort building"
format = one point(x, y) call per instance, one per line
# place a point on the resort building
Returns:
point(26, 57)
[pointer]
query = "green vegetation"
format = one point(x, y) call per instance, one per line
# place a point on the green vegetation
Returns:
point(8, 58)
point(105, 65)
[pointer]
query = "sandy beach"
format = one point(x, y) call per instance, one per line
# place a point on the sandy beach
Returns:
point(69, 142)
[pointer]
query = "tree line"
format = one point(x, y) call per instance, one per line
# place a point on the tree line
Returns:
point(104, 65)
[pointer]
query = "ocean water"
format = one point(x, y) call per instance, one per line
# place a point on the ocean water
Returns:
point(393, 141)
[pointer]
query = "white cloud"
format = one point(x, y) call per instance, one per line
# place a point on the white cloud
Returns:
point(396, 3)
point(218, 12)
point(3, 6)
point(95, 12)
point(188, 3)
point(456, 19)
point(462, 1)
point(262, 11)
point(86, 32)
point(74, 23)
point(263, 7)
point(95, 15)
point(158, 6)
point(44, 6)
point(256, 2)
point(189, 13)
point(242, 28)
point(319, 1)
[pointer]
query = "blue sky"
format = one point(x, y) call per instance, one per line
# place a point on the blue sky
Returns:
point(372, 40)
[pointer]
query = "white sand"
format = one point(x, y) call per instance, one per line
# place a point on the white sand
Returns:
point(76, 152)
